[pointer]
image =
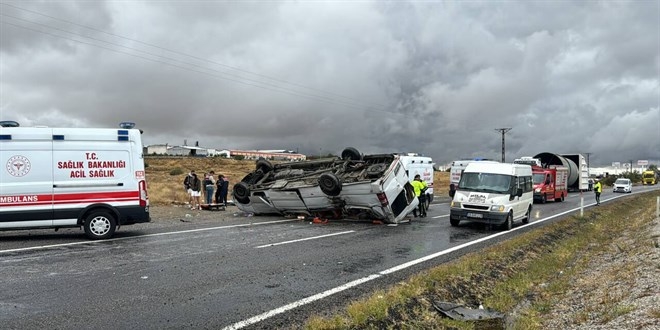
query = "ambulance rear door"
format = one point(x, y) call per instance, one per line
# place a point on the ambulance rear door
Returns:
point(26, 177)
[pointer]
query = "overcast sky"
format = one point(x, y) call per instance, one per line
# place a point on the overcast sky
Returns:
point(433, 77)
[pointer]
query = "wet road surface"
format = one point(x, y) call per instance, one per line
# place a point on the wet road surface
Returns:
point(230, 274)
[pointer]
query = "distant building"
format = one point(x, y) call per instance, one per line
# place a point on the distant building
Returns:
point(269, 154)
point(156, 149)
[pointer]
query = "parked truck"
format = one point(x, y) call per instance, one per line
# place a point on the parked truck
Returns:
point(550, 183)
point(649, 177)
point(578, 171)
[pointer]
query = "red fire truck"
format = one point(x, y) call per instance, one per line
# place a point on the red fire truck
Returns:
point(550, 183)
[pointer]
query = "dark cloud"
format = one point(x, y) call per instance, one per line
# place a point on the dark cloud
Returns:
point(436, 78)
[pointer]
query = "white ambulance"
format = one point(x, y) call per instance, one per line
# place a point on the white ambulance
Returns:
point(72, 177)
point(417, 164)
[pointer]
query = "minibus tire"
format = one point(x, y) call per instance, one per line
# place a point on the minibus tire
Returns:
point(264, 165)
point(99, 225)
point(508, 224)
point(351, 154)
point(454, 222)
point(241, 192)
point(330, 184)
point(527, 215)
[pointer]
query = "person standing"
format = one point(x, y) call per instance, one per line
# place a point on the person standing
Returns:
point(218, 189)
point(209, 184)
point(598, 188)
point(225, 190)
point(187, 185)
point(420, 191)
point(196, 187)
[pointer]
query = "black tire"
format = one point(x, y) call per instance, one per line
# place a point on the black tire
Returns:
point(454, 222)
point(100, 225)
point(264, 165)
point(528, 215)
point(544, 199)
point(330, 184)
point(241, 193)
point(560, 199)
point(351, 154)
point(508, 224)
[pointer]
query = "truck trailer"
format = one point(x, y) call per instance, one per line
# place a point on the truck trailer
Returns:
point(578, 171)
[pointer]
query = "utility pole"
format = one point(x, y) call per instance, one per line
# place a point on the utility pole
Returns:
point(503, 131)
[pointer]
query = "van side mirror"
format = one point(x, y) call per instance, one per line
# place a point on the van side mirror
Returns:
point(519, 192)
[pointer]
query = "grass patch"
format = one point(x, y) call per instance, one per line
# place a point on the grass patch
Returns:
point(525, 277)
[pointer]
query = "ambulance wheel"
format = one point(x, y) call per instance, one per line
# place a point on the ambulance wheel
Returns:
point(351, 154)
point(528, 215)
point(330, 184)
point(264, 165)
point(544, 199)
point(508, 224)
point(242, 193)
point(100, 225)
point(560, 199)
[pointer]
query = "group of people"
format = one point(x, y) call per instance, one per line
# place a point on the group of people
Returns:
point(214, 189)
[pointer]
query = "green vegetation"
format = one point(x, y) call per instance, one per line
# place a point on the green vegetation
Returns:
point(525, 277)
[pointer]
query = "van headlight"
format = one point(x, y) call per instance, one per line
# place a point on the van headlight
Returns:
point(455, 204)
point(538, 190)
point(497, 208)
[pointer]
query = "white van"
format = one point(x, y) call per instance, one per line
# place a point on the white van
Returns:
point(72, 177)
point(493, 193)
point(422, 165)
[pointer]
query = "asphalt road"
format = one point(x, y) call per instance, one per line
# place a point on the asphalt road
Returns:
point(257, 272)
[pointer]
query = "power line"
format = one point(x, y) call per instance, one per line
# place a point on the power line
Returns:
point(188, 55)
point(503, 131)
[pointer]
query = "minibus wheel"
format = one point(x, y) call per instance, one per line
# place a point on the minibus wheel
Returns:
point(508, 224)
point(242, 193)
point(527, 215)
point(99, 225)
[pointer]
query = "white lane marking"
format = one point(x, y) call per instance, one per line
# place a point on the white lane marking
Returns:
point(440, 216)
point(299, 303)
point(304, 239)
point(304, 301)
point(147, 235)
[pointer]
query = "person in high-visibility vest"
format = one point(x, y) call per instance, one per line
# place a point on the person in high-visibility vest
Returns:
point(420, 191)
point(598, 188)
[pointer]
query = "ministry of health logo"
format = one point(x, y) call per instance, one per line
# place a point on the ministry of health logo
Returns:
point(18, 165)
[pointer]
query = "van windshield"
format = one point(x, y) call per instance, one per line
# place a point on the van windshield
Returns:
point(486, 182)
point(538, 178)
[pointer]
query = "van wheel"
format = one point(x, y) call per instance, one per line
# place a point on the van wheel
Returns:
point(330, 184)
point(527, 215)
point(100, 225)
point(351, 154)
point(264, 165)
point(454, 222)
point(242, 193)
point(508, 224)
